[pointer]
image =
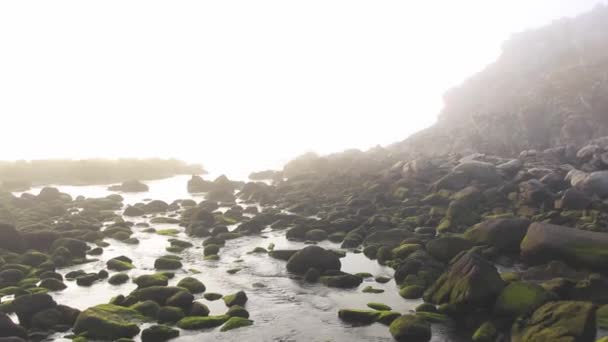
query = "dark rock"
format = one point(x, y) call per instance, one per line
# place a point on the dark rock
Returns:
point(503, 234)
point(313, 257)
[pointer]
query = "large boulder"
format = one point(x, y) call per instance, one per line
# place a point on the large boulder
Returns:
point(557, 322)
point(108, 322)
point(504, 234)
point(545, 242)
point(520, 298)
point(444, 248)
point(313, 257)
point(596, 183)
point(470, 282)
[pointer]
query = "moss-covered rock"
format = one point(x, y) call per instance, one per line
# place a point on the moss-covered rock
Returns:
point(411, 292)
point(370, 289)
point(485, 333)
point(238, 298)
point(167, 262)
point(470, 283)
point(211, 296)
point(235, 323)
point(197, 322)
point(52, 284)
point(557, 321)
point(148, 280)
point(404, 250)
point(602, 316)
point(118, 279)
point(170, 314)
point(192, 284)
point(159, 333)
point(313, 257)
point(237, 311)
point(108, 322)
point(444, 248)
point(379, 306)
point(120, 264)
point(410, 328)
point(387, 317)
point(159, 294)
point(359, 316)
point(504, 234)
point(341, 280)
point(519, 298)
point(147, 308)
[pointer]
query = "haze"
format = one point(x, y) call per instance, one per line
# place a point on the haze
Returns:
point(239, 85)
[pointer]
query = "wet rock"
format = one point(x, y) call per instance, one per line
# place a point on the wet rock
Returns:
point(159, 294)
point(235, 323)
point(391, 238)
point(411, 292)
point(52, 284)
point(239, 298)
point(132, 211)
point(471, 282)
point(198, 323)
point(170, 314)
point(192, 284)
point(211, 296)
point(76, 248)
point(545, 242)
point(596, 183)
point(313, 257)
point(159, 333)
point(167, 263)
point(118, 279)
point(282, 254)
point(379, 306)
point(410, 328)
point(199, 309)
point(485, 333)
point(360, 317)
point(237, 311)
point(87, 279)
point(573, 199)
point(557, 321)
point(59, 318)
point(108, 322)
point(147, 308)
point(341, 280)
point(148, 280)
point(519, 298)
point(504, 234)
point(130, 186)
point(121, 263)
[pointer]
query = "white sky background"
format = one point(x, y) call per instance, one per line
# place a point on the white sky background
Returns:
point(239, 85)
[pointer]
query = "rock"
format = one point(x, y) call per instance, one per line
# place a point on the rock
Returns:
point(11, 276)
point(199, 309)
point(282, 254)
point(170, 314)
point(121, 263)
point(198, 184)
point(55, 318)
point(470, 282)
point(411, 292)
point(312, 275)
point(235, 323)
point(545, 242)
point(130, 186)
point(388, 317)
point(573, 199)
point(147, 308)
point(313, 257)
point(557, 321)
point(181, 299)
point(118, 279)
point(108, 322)
point(132, 211)
point(444, 248)
point(503, 234)
point(11, 239)
point(27, 306)
point(148, 280)
point(159, 333)
point(362, 317)
point(410, 328)
point(391, 238)
point(192, 284)
point(159, 294)
point(237, 311)
point(239, 298)
point(9, 328)
point(379, 306)
point(520, 298)
point(485, 333)
point(197, 323)
point(167, 263)
point(316, 235)
point(210, 296)
point(596, 183)
point(404, 250)
point(342, 280)
point(52, 284)
point(76, 248)
point(87, 279)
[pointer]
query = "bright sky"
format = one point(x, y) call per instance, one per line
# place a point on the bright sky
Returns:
point(239, 85)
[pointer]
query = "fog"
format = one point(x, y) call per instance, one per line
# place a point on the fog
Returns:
point(239, 85)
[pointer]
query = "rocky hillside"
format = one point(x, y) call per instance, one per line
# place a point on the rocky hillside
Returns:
point(549, 87)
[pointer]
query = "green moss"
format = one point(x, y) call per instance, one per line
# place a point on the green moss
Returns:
point(235, 323)
point(411, 292)
point(119, 265)
point(410, 328)
point(167, 232)
point(192, 284)
point(148, 280)
point(519, 298)
point(118, 279)
point(485, 333)
point(602, 317)
point(405, 250)
point(379, 306)
point(433, 317)
point(510, 276)
point(239, 298)
point(199, 322)
point(369, 289)
point(108, 322)
point(387, 317)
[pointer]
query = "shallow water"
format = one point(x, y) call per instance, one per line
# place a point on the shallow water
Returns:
point(285, 309)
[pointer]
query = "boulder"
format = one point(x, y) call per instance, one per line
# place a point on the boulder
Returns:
point(410, 328)
point(235, 323)
point(545, 242)
point(10, 238)
point(562, 321)
point(596, 183)
point(9, 328)
point(108, 322)
point(133, 211)
point(313, 257)
point(192, 284)
point(198, 322)
point(504, 234)
point(159, 333)
point(470, 282)
point(359, 317)
point(444, 248)
point(27, 306)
